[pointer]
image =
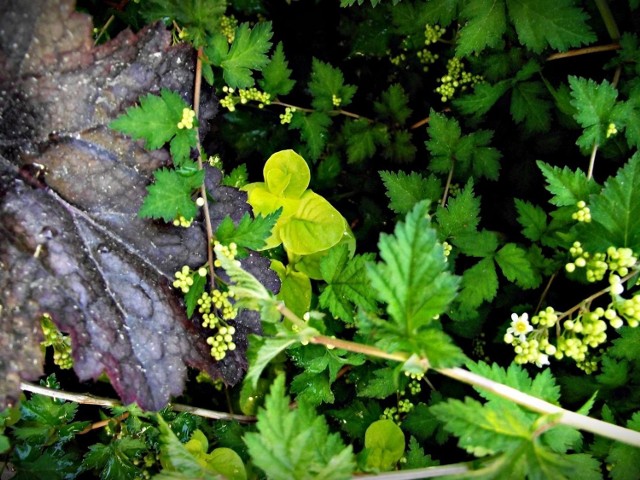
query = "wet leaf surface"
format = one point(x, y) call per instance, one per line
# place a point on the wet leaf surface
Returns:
point(71, 243)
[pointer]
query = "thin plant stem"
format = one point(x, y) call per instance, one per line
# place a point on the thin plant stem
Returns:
point(203, 188)
point(592, 161)
point(87, 399)
point(584, 51)
point(447, 185)
point(607, 18)
point(546, 291)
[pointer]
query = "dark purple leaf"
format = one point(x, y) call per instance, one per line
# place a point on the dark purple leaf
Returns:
point(71, 243)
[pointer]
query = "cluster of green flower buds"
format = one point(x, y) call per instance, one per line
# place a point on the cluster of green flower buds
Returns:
point(60, 343)
point(456, 79)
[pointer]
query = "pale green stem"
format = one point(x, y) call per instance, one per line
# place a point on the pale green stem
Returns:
point(607, 18)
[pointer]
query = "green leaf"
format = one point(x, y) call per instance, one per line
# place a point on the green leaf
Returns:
point(484, 429)
point(379, 383)
point(516, 266)
point(441, 11)
point(383, 445)
point(615, 212)
point(170, 195)
point(312, 388)
point(532, 218)
point(461, 215)
point(195, 292)
point(420, 422)
point(261, 351)
point(615, 373)
point(406, 189)
point(328, 88)
point(559, 25)
point(347, 283)
point(276, 76)
point(314, 129)
point(200, 17)
point(155, 120)
point(568, 187)
point(115, 460)
point(393, 104)
point(466, 155)
point(485, 25)
point(594, 104)
point(479, 284)
point(237, 178)
point(363, 138)
point(250, 233)
point(295, 288)
point(476, 244)
point(416, 457)
point(296, 443)
point(530, 106)
point(248, 52)
point(356, 416)
point(483, 97)
point(189, 460)
point(628, 345)
point(624, 459)
point(413, 277)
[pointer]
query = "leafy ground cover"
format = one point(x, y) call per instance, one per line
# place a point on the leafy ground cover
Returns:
point(319, 239)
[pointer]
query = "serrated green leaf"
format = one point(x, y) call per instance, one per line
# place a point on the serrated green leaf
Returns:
point(516, 266)
point(296, 443)
point(313, 131)
point(628, 345)
point(615, 373)
point(155, 120)
point(467, 155)
point(594, 104)
point(532, 218)
point(401, 148)
point(347, 283)
point(356, 416)
point(237, 178)
point(461, 215)
point(615, 212)
point(381, 383)
point(312, 388)
point(624, 459)
point(479, 284)
point(416, 457)
point(261, 351)
point(250, 233)
point(483, 97)
point(248, 52)
point(489, 428)
point(276, 76)
point(441, 11)
point(567, 186)
point(530, 106)
point(363, 138)
point(199, 17)
point(476, 244)
point(413, 278)
point(420, 422)
point(559, 25)
point(328, 88)
point(393, 104)
point(404, 190)
point(485, 25)
point(170, 195)
point(116, 459)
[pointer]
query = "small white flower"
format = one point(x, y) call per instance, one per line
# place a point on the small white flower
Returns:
point(542, 360)
point(520, 326)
